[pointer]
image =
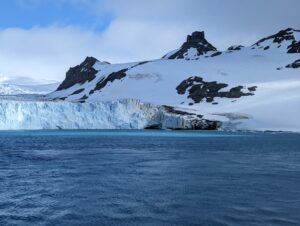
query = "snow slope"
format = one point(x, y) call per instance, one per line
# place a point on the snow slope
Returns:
point(24, 85)
point(250, 88)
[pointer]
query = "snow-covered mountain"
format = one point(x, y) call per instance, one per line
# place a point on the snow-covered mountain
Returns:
point(25, 85)
point(254, 88)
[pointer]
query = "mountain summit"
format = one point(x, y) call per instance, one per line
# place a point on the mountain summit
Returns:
point(288, 38)
point(240, 87)
point(195, 45)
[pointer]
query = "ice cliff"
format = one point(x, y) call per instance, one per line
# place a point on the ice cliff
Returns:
point(121, 114)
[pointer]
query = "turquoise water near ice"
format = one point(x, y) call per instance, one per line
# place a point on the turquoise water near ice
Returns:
point(116, 177)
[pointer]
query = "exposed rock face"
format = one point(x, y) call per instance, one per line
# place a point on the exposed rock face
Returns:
point(235, 47)
point(252, 88)
point(169, 117)
point(281, 36)
point(295, 64)
point(197, 41)
point(172, 110)
point(118, 75)
point(77, 91)
point(140, 63)
point(80, 74)
point(110, 78)
point(294, 47)
point(186, 124)
point(202, 124)
point(216, 54)
point(199, 90)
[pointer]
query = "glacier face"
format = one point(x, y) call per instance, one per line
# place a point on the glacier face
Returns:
point(121, 114)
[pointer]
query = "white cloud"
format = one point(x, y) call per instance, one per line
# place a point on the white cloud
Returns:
point(140, 30)
point(48, 52)
point(43, 52)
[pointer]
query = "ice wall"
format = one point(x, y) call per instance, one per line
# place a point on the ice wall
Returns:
point(122, 114)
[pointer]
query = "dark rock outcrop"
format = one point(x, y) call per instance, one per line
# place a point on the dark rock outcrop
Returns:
point(216, 54)
point(235, 47)
point(140, 63)
point(79, 74)
point(201, 124)
point(172, 110)
point(199, 90)
point(110, 78)
point(83, 98)
point(252, 88)
point(195, 40)
point(205, 124)
point(195, 124)
point(283, 35)
point(294, 47)
point(118, 75)
point(182, 120)
point(295, 64)
point(77, 91)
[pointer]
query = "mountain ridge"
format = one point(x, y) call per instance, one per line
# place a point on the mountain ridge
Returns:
point(234, 86)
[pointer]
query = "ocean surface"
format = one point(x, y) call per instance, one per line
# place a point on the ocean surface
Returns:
point(149, 178)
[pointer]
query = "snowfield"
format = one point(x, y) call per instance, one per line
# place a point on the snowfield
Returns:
point(24, 85)
point(193, 87)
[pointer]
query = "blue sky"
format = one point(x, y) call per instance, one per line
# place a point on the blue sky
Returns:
point(43, 38)
point(42, 13)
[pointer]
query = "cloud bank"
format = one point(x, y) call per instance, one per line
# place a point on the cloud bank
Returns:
point(138, 30)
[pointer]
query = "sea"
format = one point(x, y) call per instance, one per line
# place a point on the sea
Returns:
point(131, 177)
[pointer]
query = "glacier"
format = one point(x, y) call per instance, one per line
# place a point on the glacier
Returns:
point(25, 85)
point(120, 114)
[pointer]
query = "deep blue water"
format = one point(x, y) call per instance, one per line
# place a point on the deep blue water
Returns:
point(149, 178)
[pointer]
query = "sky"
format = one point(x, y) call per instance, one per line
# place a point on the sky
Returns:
point(43, 38)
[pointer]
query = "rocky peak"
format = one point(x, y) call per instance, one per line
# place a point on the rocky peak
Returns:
point(80, 73)
point(89, 62)
point(295, 64)
point(196, 36)
point(195, 45)
point(283, 35)
point(287, 35)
